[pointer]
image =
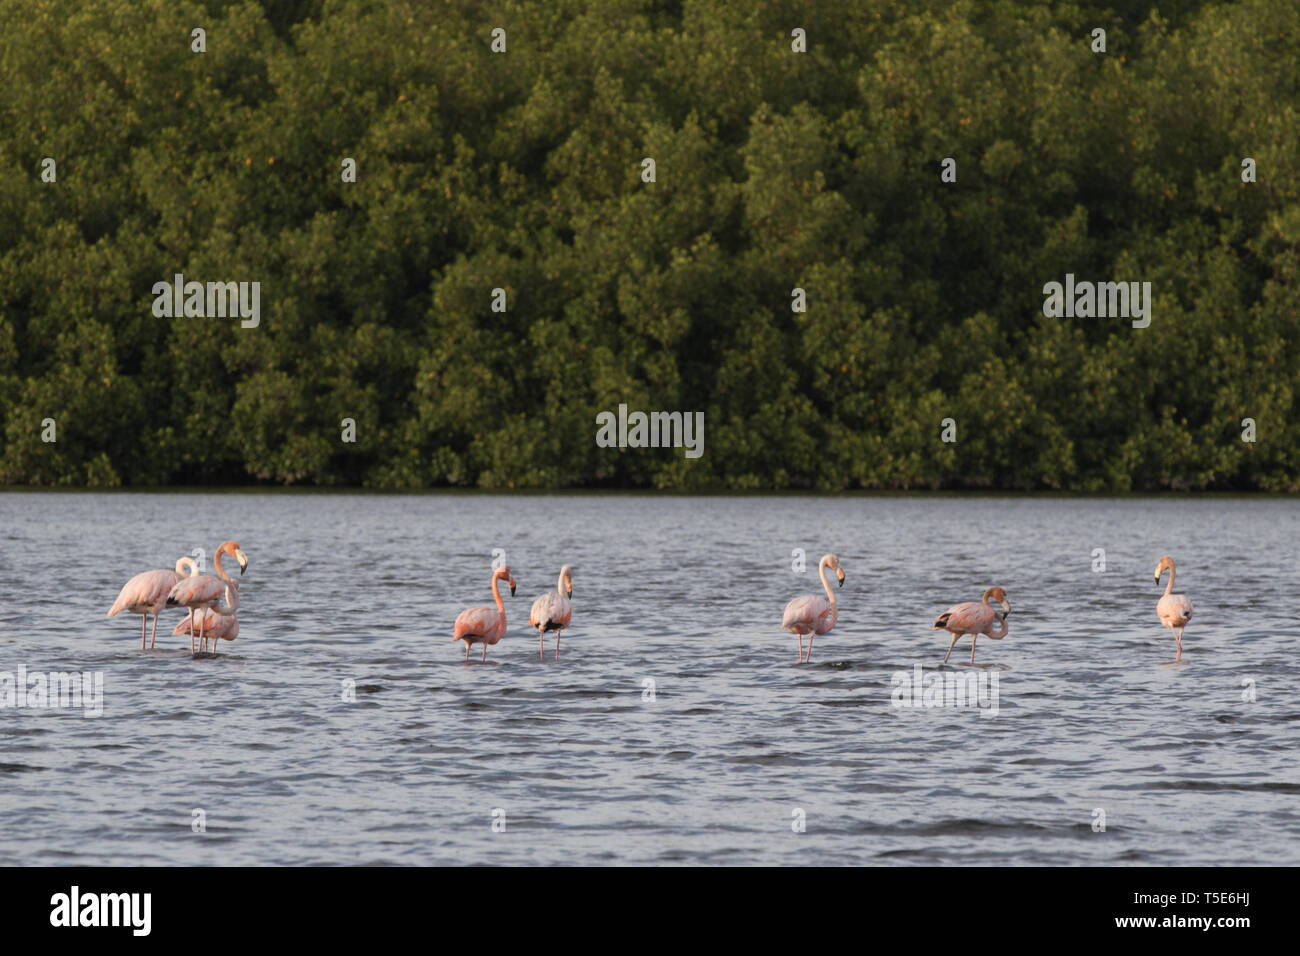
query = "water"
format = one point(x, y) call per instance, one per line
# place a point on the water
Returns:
point(687, 592)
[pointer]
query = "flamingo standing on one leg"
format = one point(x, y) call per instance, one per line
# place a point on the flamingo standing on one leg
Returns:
point(553, 611)
point(204, 591)
point(1175, 610)
point(146, 594)
point(813, 614)
point(485, 625)
point(216, 623)
point(975, 618)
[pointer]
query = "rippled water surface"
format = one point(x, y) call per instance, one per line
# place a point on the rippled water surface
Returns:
point(739, 739)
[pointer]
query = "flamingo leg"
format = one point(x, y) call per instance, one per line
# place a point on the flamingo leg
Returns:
point(973, 639)
point(955, 638)
point(557, 645)
point(800, 637)
point(467, 652)
point(483, 659)
point(808, 659)
point(153, 635)
point(191, 630)
point(144, 620)
point(540, 643)
point(1178, 635)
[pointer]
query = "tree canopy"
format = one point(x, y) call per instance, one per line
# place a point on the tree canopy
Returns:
point(775, 170)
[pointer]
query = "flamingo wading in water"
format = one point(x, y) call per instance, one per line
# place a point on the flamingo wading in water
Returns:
point(485, 625)
point(975, 618)
point(204, 591)
point(553, 611)
point(1175, 610)
point(215, 623)
point(813, 614)
point(146, 594)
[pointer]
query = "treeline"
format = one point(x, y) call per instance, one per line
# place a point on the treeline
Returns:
point(774, 170)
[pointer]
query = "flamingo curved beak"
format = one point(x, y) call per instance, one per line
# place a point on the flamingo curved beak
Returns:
point(1006, 606)
point(512, 587)
point(840, 574)
point(569, 591)
point(242, 559)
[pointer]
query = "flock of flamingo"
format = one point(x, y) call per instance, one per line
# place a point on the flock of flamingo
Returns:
point(151, 591)
point(813, 614)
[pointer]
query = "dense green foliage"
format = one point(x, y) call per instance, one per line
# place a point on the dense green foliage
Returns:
point(775, 170)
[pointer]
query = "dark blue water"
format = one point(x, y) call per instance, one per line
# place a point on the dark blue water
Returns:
point(739, 744)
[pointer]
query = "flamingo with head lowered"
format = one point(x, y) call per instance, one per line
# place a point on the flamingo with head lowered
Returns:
point(215, 623)
point(553, 611)
point(1175, 610)
point(975, 618)
point(813, 614)
point(146, 594)
point(205, 591)
point(485, 625)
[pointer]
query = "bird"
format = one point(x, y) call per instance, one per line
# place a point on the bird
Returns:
point(813, 614)
point(204, 591)
point(486, 625)
point(553, 611)
point(1175, 610)
point(146, 594)
point(215, 623)
point(975, 618)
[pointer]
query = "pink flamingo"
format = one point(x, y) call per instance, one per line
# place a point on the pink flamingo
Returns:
point(813, 614)
point(1175, 610)
point(552, 611)
point(975, 618)
point(485, 625)
point(146, 594)
point(215, 623)
point(205, 591)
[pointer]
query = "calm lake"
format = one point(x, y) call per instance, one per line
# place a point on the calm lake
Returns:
point(521, 761)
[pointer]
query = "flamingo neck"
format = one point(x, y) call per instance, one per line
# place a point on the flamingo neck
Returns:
point(559, 585)
point(186, 568)
point(826, 584)
point(496, 596)
point(232, 599)
point(1169, 588)
point(221, 572)
point(1002, 628)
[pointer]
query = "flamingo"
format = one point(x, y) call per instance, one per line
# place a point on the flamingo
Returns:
point(975, 618)
point(485, 624)
point(225, 616)
point(1175, 610)
point(553, 611)
point(215, 623)
point(204, 591)
point(813, 614)
point(146, 594)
